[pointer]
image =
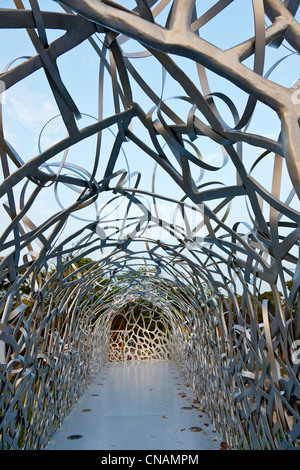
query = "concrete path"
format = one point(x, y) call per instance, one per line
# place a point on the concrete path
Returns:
point(137, 406)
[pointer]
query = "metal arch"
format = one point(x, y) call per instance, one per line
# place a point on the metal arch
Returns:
point(207, 273)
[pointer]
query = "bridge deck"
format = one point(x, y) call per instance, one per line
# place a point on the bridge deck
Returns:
point(137, 406)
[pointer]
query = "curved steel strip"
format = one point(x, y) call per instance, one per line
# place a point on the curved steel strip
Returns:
point(205, 278)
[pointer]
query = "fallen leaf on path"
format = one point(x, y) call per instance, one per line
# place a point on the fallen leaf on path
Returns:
point(195, 429)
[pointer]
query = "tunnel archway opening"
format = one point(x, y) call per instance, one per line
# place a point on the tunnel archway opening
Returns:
point(139, 331)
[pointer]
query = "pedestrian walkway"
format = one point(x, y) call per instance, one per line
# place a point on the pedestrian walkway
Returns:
point(137, 406)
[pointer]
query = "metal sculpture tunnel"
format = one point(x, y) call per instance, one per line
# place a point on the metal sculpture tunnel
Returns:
point(150, 159)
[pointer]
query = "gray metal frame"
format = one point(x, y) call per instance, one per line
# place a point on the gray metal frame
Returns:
point(238, 348)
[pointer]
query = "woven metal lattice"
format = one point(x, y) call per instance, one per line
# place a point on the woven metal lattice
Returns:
point(157, 164)
point(139, 333)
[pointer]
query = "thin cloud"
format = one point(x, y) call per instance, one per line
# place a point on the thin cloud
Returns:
point(32, 109)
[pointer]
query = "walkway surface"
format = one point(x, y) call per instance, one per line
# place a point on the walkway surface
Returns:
point(137, 406)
